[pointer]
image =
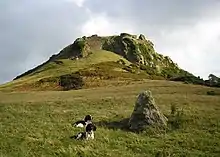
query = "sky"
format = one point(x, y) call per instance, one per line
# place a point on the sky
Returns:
point(186, 30)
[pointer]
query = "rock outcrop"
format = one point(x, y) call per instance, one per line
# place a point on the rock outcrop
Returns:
point(138, 50)
point(142, 37)
point(146, 113)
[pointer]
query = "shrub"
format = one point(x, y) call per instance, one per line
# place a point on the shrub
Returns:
point(189, 79)
point(211, 93)
point(176, 118)
point(173, 109)
point(143, 67)
point(80, 44)
point(151, 71)
point(71, 81)
point(58, 62)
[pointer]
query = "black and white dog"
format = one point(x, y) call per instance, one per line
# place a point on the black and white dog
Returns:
point(88, 134)
point(83, 123)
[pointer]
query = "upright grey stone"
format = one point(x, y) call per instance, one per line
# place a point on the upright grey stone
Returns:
point(146, 113)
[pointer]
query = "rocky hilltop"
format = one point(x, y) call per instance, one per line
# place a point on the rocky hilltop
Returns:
point(101, 58)
point(137, 50)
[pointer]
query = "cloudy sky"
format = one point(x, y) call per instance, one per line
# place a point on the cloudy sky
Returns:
point(186, 30)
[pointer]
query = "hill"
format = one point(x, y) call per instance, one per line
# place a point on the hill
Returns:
point(38, 123)
point(90, 61)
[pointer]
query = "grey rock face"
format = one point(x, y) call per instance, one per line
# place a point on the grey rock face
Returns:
point(142, 37)
point(146, 113)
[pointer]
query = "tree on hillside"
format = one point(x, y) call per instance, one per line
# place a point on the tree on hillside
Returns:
point(213, 80)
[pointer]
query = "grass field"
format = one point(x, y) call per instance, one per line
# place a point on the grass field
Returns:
point(39, 123)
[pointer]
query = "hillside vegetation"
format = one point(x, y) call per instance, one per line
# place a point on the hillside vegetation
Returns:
point(99, 59)
point(45, 77)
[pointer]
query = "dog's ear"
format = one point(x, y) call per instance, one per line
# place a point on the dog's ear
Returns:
point(89, 127)
point(94, 128)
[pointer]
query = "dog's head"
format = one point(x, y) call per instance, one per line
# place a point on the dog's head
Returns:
point(90, 127)
point(88, 118)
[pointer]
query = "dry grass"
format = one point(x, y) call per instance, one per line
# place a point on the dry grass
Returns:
point(39, 123)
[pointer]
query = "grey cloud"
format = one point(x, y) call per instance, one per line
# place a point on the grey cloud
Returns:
point(31, 31)
point(173, 26)
point(153, 17)
point(155, 12)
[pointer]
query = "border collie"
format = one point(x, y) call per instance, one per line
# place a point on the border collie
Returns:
point(82, 123)
point(88, 134)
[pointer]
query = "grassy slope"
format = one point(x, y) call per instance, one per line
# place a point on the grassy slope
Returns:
point(52, 69)
point(39, 123)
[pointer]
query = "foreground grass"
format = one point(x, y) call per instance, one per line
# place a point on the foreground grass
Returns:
point(39, 123)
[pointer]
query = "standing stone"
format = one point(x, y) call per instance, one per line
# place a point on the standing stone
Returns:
point(146, 113)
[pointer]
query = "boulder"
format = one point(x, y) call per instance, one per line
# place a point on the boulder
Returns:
point(146, 113)
point(142, 37)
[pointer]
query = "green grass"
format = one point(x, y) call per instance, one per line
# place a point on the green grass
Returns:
point(39, 123)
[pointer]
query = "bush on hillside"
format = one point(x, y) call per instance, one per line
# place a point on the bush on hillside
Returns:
point(149, 70)
point(143, 67)
point(71, 81)
point(169, 72)
point(58, 62)
point(213, 93)
point(189, 79)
